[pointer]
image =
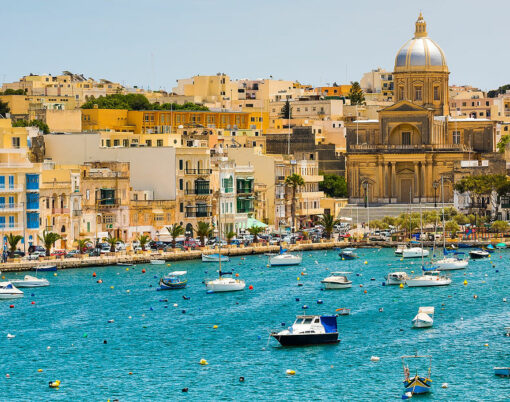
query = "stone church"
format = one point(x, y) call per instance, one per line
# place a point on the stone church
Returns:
point(401, 156)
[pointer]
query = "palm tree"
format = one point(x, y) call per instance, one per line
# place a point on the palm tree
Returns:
point(328, 221)
point(112, 241)
point(203, 229)
point(82, 244)
point(13, 241)
point(255, 231)
point(230, 235)
point(294, 181)
point(49, 239)
point(143, 240)
point(175, 231)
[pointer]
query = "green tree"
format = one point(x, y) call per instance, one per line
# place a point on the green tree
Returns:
point(452, 227)
point(13, 241)
point(295, 182)
point(499, 226)
point(203, 230)
point(495, 92)
point(356, 94)
point(390, 220)
point(255, 231)
point(41, 125)
point(505, 139)
point(230, 235)
point(461, 219)
point(49, 239)
point(328, 221)
point(175, 231)
point(82, 244)
point(334, 186)
point(112, 241)
point(4, 108)
point(10, 91)
point(286, 112)
point(143, 240)
point(135, 102)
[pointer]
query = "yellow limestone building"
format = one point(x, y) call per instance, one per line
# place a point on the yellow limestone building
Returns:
point(401, 156)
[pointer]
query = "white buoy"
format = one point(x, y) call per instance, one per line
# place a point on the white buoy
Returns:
point(504, 299)
point(375, 358)
point(10, 336)
point(175, 305)
point(444, 385)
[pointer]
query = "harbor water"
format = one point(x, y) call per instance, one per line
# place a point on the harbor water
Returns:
point(155, 340)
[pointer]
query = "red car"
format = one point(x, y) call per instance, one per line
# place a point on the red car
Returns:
point(59, 253)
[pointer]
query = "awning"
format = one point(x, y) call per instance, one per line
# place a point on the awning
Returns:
point(252, 223)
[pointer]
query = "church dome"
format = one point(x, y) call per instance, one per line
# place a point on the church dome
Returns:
point(420, 53)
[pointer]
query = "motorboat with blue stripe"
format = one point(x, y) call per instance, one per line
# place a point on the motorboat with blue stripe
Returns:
point(348, 254)
point(416, 384)
point(174, 280)
point(9, 291)
point(309, 330)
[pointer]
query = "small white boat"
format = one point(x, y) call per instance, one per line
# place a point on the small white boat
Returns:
point(9, 291)
point(157, 262)
point(337, 280)
point(450, 264)
point(396, 278)
point(414, 252)
point(424, 318)
point(30, 282)
point(431, 278)
point(400, 249)
point(214, 258)
point(309, 330)
point(225, 284)
point(478, 254)
point(285, 259)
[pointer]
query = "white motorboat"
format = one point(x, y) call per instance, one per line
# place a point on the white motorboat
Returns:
point(309, 330)
point(478, 254)
point(431, 278)
point(157, 262)
point(215, 258)
point(30, 282)
point(424, 318)
point(396, 278)
point(337, 280)
point(450, 264)
point(285, 259)
point(400, 249)
point(415, 252)
point(9, 291)
point(225, 284)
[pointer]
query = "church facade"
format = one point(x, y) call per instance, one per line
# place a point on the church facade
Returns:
point(402, 156)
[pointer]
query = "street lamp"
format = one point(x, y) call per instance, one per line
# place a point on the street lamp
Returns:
point(435, 185)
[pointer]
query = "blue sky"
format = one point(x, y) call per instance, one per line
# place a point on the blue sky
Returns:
point(151, 43)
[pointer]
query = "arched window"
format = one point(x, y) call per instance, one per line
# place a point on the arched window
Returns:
point(63, 229)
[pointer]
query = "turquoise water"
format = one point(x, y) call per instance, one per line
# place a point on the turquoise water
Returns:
point(162, 346)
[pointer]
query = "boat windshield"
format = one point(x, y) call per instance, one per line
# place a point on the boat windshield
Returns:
point(307, 321)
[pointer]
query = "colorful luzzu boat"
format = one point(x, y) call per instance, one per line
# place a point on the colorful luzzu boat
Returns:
point(417, 384)
point(174, 280)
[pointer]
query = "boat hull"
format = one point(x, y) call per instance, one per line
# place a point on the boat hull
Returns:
point(478, 255)
point(420, 283)
point(225, 287)
point(5, 296)
point(418, 385)
point(281, 262)
point(415, 253)
point(502, 371)
point(306, 339)
point(347, 256)
point(335, 285)
point(29, 284)
point(447, 265)
point(157, 262)
point(51, 268)
point(214, 258)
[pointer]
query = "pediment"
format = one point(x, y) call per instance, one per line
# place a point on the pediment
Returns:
point(404, 106)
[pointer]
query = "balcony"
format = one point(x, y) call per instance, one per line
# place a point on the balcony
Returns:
point(313, 178)
point(77, 212)
point(6, 227)
point(197, 171)
point(198, 191)
point(57, 211)
point(363, 148)
point(311, 195)
point(280, 178)
point(108, 203)
point(197, 214)
point(11, 208)
point(11, 189)
point(244, 190)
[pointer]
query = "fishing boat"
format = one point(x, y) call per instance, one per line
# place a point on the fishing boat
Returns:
point(343, 311)
point(45, 268)
point(337, 280)
point(417, 384)
point(478, 254)
point(157, 262)
point(215, 258)
point(9, 291)
point(30, 282)
point(309, 330)
point(396, 278)
point(348, 254)
point(502, 371)
point(174, 280)
point(415, 252)
point(430, 278)
point(424, 318)
point(285, 258)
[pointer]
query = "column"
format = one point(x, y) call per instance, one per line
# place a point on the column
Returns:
point(386, 182)
point(416, 189)
point(430, 179)
point(423, 184)
point(393, 181)
point(381, 181)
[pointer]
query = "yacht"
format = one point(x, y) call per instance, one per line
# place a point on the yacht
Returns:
point(415, 252)
point(431, 278)
point(396, 278)
point(309, 330)
point(478, 254)
point(450, 264)
point(285, 259)
point(424, 318)
point(9, 291)
point(215, 258)
point(225, 283)
point(337, 280)
point(30, 282)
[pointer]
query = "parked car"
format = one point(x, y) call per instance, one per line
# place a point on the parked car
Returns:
point(94, 253)
point(72, 253)
point(36, 254)
point(58, 253)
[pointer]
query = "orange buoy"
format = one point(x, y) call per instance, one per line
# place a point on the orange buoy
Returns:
point(94, 275)
point(143, 271)
point(250, 287)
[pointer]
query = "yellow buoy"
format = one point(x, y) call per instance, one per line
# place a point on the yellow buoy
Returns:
point(111, 287)
point(39, 371)
point(401, 286)
point(298, 278)
point(412, 272)
point(54, 384)
point(215, 326)
point(366, 262)
point(290, 372)
point(465, 282)
point(128, 291)
point(486, 345)
point(203, 362)
point(127, 269)
point(55, 274)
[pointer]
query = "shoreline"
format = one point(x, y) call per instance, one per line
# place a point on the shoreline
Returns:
point(179, 255)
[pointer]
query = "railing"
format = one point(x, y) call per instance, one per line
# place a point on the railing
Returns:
point(280, 178)
point(245, 210)
point(108, 203)
point(198, 214)
point(380, 147)
point(60, 211)
point(197, 171)
point(245, 190)
point(11, 189)
point(197, 191)
point(13, 228)
point(11, 207)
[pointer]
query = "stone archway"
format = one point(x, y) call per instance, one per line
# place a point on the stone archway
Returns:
point(405, 134)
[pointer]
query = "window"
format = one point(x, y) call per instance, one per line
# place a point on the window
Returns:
point(456, 137)
point(436, 93)
point(160, 143)
point(180, 185)
point(15, 142)
point(108, 143)
point(401, 93)
point(406, 138)
point(180, 165)
point(181, 207)
point(417, 93)
point(116, 143)
point(148, 143)
point(125, 143)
